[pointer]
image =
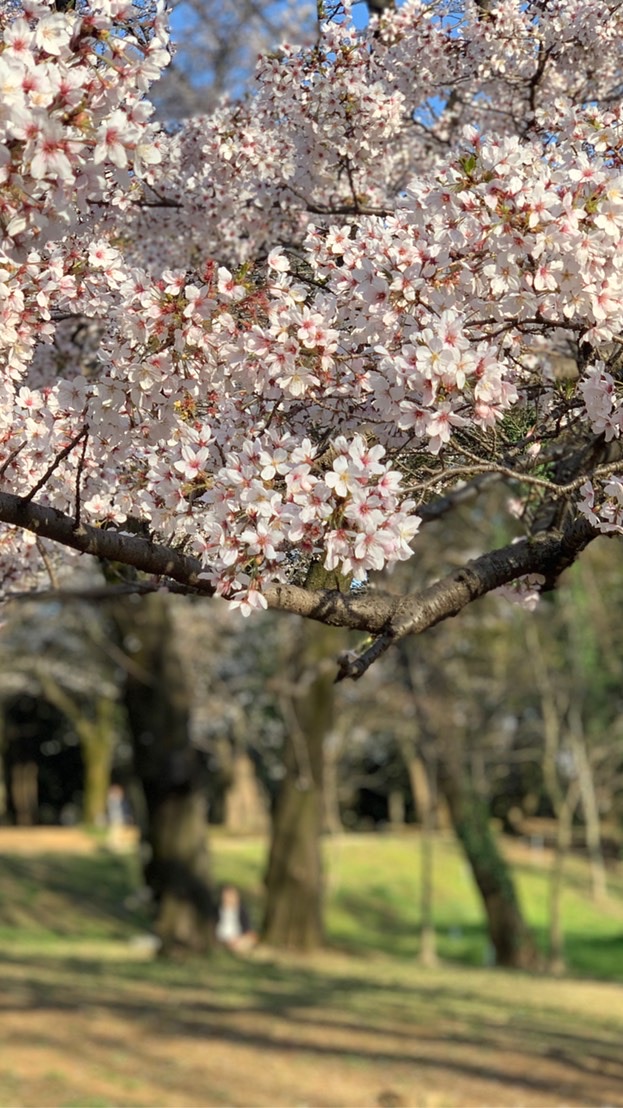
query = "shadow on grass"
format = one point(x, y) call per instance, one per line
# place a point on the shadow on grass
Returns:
point(66, 895)
point(601, 958)
point(371, 923)
point(368, 924)
point(294, 1011)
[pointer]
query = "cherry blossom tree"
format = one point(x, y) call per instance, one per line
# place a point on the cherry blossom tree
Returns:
point(253, 357)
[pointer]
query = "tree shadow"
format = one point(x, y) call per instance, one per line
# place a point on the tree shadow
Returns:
point(95, 886)
point(289, 1012)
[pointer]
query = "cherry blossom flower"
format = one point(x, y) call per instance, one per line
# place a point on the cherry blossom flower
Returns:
point(259, 330)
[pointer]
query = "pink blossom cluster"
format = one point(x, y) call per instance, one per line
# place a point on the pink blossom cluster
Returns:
point(349, 122)
point(602, 504)
point(263, 333)
point(598, 389)
point(525, 591)
point(73, 117)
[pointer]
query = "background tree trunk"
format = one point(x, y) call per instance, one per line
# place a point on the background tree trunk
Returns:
point(25, 791)
point(590, 807)
point(157, 697)
point(564, 830)
point(97, 751)
point(294, 885)
point(424, 774)
point(331, 797)
point(510, 937)
point(246, 811)
point(3, 782)
point(95, 729)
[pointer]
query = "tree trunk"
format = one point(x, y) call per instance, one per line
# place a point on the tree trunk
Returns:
point(97, 760)
point(590, 808)
point(157, 697)
point(510, 937)
point(396, 808)
point(95, 728)
point(25, 792)
point(428, 949)
point(97, 742)
point(418, 779)
point(4, 800)
point(564, 831)
point(246, 810)
point(293, 917)
point(332, 814)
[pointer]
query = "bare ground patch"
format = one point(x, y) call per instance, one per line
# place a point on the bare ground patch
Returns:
point(88, 1021)
point(77, 1032)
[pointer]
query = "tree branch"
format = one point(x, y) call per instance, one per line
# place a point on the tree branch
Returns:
point(547, 554)
point(387, 616)
point(110, 544)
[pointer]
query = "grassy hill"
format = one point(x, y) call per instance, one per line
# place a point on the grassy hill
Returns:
point(88, 1019)
point(373, 899)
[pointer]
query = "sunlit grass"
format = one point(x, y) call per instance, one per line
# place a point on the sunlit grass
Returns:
point(373, 890)
point(372, 899)
point(89, 1018)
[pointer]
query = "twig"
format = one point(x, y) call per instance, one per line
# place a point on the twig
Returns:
point(49, 568)
point(77, 505)
point(55, 464)
point(11, 458)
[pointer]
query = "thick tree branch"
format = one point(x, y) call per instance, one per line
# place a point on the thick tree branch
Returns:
point(384, 615)
point(113, 545)
point(547, 554)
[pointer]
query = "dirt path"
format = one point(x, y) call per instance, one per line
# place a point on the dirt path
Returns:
point(55, 840)
point(98, 1025)
point(90, 1034)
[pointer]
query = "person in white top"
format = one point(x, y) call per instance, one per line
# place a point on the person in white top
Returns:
point(233, 927)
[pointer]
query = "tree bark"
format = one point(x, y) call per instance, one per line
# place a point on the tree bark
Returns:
point(294, 883)
point(564, 831)
point(419, 771)
point(590, 807)
point(512, 942)
point(157, 697)
point(95, 730)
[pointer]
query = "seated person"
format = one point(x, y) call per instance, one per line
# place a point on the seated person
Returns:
point(233, 927)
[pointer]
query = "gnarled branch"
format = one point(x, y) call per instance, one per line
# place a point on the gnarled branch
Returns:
point(386, 616)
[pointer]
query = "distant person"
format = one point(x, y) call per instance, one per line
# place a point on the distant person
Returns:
point(233, 928)
point(115, 816)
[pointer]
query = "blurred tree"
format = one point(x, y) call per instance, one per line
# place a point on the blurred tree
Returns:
point(56, 652)
point(217, 43)
point(417, 745)
point(95, 722)
point(293, 917)
point(158, 701)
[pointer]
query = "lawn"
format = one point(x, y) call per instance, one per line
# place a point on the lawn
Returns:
point(88, 1018)
point(373, 890)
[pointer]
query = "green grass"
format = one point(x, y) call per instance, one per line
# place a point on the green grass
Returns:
point(52, 897)
point(373, 890)
point(94, 1022)
point(371, 901)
